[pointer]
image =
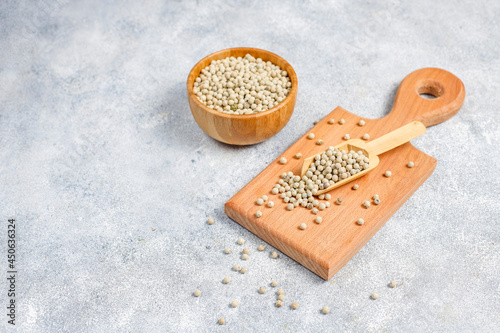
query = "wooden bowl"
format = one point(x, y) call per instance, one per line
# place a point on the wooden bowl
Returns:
point(242, 129)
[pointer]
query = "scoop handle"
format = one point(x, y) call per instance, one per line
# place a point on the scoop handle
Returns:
point(409, 105)
point(395, 138)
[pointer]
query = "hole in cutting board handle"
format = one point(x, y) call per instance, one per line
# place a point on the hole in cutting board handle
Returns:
point(430, 90)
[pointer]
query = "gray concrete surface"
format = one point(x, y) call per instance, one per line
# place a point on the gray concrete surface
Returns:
point(111, 180)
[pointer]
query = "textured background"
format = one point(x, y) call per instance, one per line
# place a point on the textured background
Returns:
point(111, 180)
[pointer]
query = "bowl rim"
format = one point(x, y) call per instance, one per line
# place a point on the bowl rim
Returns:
point(291, 74)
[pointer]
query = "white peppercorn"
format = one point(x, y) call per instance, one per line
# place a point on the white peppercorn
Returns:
point(388, 174)
point(258, 214)
point(242, 85)
point(226, 280)
point(325, 310)
point(264, 197)
point(261, 247)
point(327, 204)
point(339, 201)
point(262, 290)
point(244, 256)
point(360, 221)
point(319, 142)
point(241, 241)
point(246, 250)
point(210, 221)
point(270, 204)
point(318, 219)
point(411, 164)
point(274, 255)
point(331, 121)
point(283, 160)
point(275, 190)
point(347, 137)
point(328, 196)
point(392, 284)
point(315, 211)
point(376, 201)
point(289, 206)
point(366, 136)
point(280, 291)
point(355, 187)
point(222, 321)
point(298, 156)
point(260, 201)
point(279, 303)
point(303, 226)
point(366, 204)
point(274, 284)
point(294, 305)
point(234, 304)
point(342, 121)
point(311, 136)
point(236, 268)
point(374, 296)
point(376, 196)
point(243, 270)
point(281, 297)
point(197, 293)
point(361, 122)
point(322, 206)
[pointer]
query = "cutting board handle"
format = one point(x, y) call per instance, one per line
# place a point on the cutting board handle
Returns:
point(447, 89)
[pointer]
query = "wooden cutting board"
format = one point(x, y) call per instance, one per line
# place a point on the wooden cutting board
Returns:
point(324, 248)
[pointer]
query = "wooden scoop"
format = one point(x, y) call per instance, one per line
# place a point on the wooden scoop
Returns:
point(372, 149)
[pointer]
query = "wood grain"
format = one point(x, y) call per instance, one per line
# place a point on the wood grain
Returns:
point(242, 129)
point(324, 248)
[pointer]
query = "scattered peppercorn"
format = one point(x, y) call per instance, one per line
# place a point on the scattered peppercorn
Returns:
point(355, 187)
point(366, 203)
point(374, 296)
point(388, 174)
point(360, 221)
point(244, 256)
point(331, 121)
point(366, 136)
point(241, 241)
point(197, 293)
point(303, 226)
point(311, 136)
point(298, 156)
point(361, 122)
point(411, 164)
point(262, 290)
point(325, 310)
point(234, 304)
point(222, 321)
point(392, 284)
point(258, 214)
point(227, 250)
point(210, 221)
point(319, 142)
point(295, 305)
point(318, 219)
point(274, 284)
point(246, 250)
point(261, 247)
point(274, 255)
point(342, 121)
point(226, 280)
point(283, 160)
